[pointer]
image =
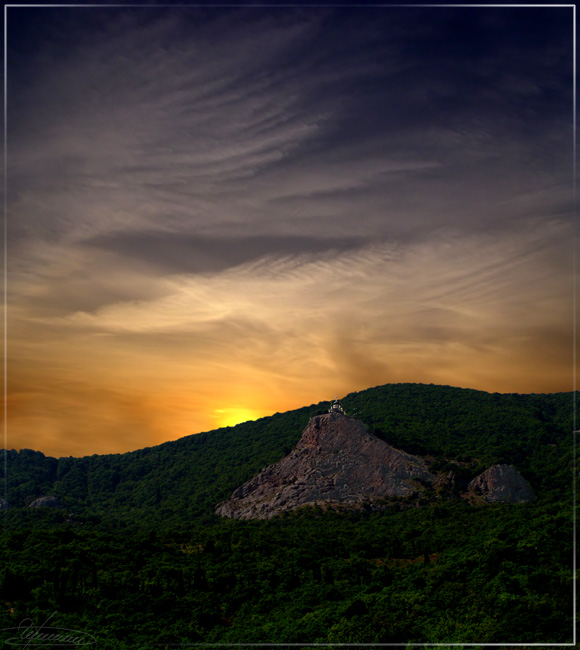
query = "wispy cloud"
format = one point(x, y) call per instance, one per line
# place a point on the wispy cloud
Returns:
point(279, 204)
point(295, 328)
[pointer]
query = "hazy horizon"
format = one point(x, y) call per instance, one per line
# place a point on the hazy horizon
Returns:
point(330, 400)
point(219, 213)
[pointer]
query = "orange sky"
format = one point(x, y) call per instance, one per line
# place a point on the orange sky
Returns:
point(215, 350)
point(219, 215)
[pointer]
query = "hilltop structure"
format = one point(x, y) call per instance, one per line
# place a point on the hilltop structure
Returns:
point(336, 407)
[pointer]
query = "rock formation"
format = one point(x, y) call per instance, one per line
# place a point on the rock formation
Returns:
point(337, 461)
point(45, 502)
point(503, 483)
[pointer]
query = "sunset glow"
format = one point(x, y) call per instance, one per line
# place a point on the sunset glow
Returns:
point(233, 416)
point(216, 216)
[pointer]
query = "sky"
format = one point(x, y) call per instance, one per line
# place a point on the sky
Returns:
point(219, 213)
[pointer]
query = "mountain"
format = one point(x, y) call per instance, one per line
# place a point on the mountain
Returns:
point(460, 431)
point(137, 557)
point(336, 461)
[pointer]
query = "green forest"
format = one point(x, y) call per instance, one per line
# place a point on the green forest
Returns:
point(137, 558)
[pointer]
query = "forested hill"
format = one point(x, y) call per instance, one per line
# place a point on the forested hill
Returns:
point(186, 478)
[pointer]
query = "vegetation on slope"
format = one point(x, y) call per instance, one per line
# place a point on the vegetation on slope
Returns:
point(188, 477)
point(137, 557)
point(441, 574)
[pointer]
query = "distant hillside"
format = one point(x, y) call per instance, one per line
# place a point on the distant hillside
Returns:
point(185, 479)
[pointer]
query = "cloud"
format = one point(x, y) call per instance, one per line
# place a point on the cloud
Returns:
point(271, 122)
point(452, 289)
point(279, 332)
point(282, 204)
point(175, 253)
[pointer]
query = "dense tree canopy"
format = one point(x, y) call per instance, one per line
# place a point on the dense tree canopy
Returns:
point(136, 556)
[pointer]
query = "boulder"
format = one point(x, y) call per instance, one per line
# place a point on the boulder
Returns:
point(45, 502)
point(503, 483)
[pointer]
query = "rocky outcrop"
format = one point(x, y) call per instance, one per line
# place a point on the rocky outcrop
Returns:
point(502, 483)
point(336, 461)
point(45, 502)
point(446, 482)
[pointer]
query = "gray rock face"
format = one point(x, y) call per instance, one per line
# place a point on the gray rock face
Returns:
point(337, 461)
point(503, 483)
point(45, 502)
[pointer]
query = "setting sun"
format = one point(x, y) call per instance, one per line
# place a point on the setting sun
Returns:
point(231, 416)
point(281, 208)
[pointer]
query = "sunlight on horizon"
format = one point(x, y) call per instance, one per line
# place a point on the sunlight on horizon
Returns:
point(220, 215)
point(229, 417)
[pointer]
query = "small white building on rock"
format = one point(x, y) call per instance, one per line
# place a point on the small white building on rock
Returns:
point(336, 407)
